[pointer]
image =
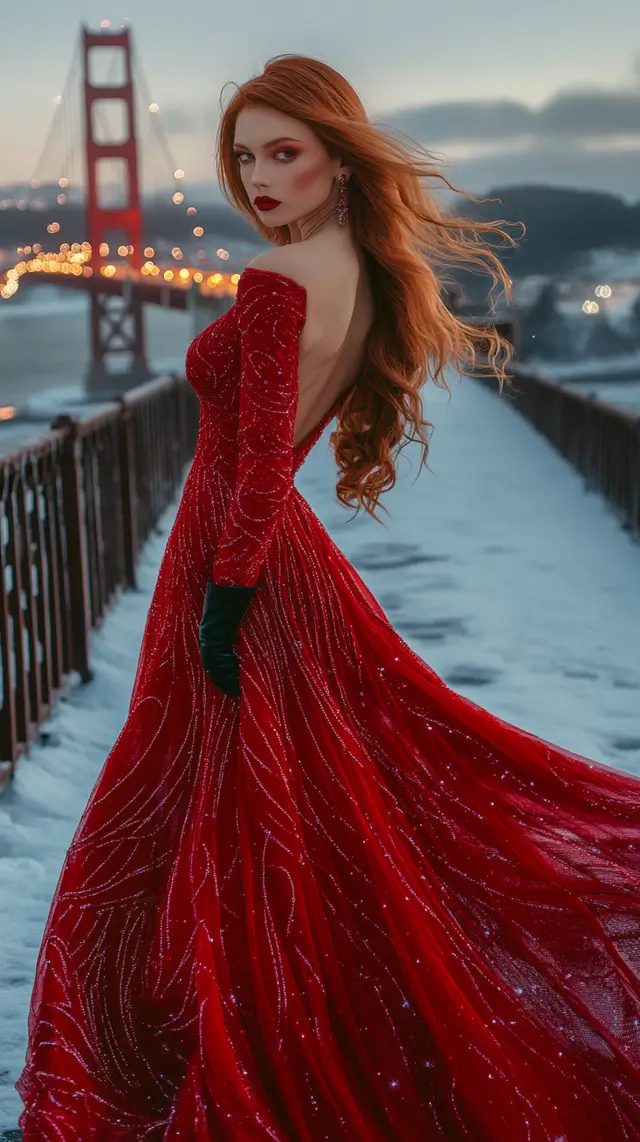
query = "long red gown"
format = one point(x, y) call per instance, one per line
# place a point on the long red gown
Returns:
point(350, 904)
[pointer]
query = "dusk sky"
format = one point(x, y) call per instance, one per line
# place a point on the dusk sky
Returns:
point(503, 93)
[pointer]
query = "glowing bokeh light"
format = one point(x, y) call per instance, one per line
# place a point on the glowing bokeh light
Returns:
point(179, 173)
point(154, 108)
point(178, 197)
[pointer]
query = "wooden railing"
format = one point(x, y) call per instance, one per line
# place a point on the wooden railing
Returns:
point(601, 440)
point(75, 509)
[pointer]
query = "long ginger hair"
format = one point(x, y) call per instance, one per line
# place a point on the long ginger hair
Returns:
point(404, 234)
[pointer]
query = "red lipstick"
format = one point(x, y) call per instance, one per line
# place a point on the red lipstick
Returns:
point(263, 202)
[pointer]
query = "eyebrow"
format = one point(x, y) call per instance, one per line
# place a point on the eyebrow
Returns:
point(280, 139)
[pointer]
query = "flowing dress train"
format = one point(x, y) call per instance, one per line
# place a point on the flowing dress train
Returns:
point(350, 904)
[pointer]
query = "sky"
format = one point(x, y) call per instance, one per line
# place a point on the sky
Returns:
point(500, 93)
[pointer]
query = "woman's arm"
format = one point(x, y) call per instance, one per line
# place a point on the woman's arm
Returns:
point(271, 316)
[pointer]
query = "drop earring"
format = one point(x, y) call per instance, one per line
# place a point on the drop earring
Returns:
point(343, 203)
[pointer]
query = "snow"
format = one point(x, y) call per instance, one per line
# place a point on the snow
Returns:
point(516, 585)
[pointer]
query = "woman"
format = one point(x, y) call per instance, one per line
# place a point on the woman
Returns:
point(315, 893)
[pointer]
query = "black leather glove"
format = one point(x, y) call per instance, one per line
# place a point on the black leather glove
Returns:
point(223, 609)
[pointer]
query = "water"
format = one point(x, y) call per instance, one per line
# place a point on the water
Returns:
point(44, 348)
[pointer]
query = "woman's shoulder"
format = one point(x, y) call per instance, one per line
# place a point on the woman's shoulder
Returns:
point(324, 273)
point(288, 262)
point(315, 265)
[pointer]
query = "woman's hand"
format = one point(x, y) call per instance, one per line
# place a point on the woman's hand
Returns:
point(223, 669)
point(224, 607)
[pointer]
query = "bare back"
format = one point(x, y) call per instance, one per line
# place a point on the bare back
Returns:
point(340, 312)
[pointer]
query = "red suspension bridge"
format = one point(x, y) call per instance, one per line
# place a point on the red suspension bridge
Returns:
point(98, 114)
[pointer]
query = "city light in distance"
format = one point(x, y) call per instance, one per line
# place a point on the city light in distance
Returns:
point(53, 227)
point(198, 231)
point(62, 181)
point(192, 210)
point(178, 197)
point(154, 108)
point(149, 252)
point(71, 259)
point(61, 199)
point(179, 173)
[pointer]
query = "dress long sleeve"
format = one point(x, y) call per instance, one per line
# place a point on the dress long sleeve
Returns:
point(271, 315)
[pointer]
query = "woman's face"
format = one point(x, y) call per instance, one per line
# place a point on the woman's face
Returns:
point(283, 159)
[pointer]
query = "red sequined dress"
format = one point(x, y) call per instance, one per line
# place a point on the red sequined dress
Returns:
point(350, 905)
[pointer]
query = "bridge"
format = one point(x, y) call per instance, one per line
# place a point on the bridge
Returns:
point(77, 506)
point(516, 586)
point(113, 265)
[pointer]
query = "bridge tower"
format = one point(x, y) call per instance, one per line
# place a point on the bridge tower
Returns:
point(117, 326)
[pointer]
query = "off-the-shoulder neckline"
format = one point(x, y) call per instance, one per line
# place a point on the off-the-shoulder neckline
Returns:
point(271, 273)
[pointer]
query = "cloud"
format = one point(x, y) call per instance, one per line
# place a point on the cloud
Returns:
point(577, 115)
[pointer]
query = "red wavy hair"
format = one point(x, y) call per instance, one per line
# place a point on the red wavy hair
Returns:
point(405, 235)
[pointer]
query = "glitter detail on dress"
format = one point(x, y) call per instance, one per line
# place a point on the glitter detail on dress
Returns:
point(351, 904)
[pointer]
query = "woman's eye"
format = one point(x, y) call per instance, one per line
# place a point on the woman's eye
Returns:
point(247, 154)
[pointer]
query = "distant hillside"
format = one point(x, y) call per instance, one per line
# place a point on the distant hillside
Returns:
point(561, 226)
point(161, 223)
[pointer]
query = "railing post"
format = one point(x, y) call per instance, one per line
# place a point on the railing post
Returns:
point(74, 521)
point(129, 492)
point(8, 715)
point(633, 522)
